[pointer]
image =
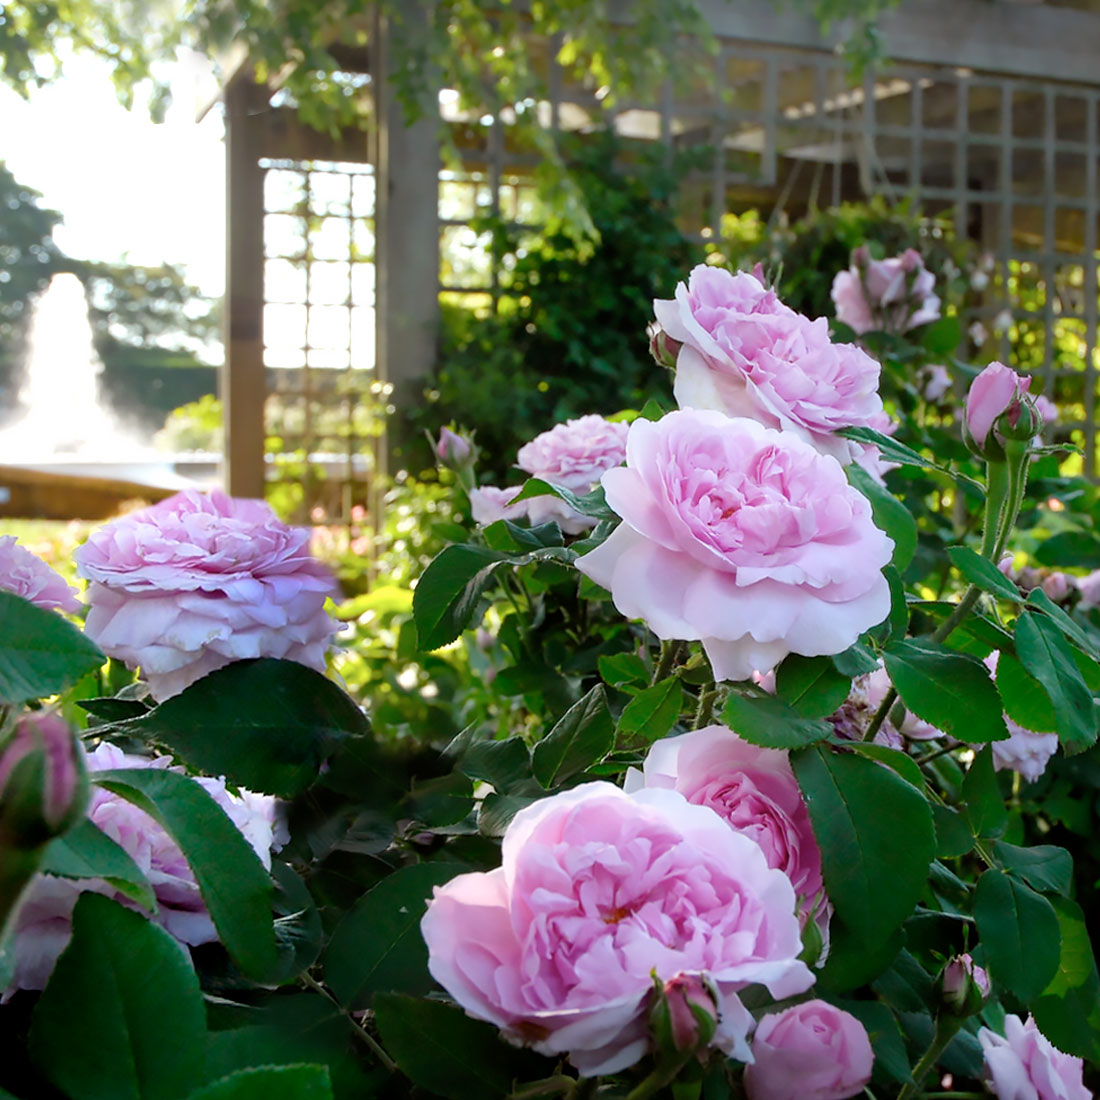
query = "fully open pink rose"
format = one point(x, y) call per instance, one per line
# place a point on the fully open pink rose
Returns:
point(30, 577)
point(891, 295)
point(488, 503)
point(747, 354)
point(195, 582)
point(752, 788)
point(43, 925)
point(599, 891)
point(1024, 1065)
point(812, 1051)
point(572, 455)
point(742, 537)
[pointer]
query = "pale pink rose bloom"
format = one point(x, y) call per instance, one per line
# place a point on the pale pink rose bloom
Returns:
point(1025, 751)
point(812, 1051)
point(977, 333)
point(743, 538)
point(934, 382)
point(745, 353)
point(755, 791)
point(1089, 587)
point(488, 503)
point(997, 390)
point(891, 295)
point(1046, 409)
point(30, 577)
point(599, 891)
point(1058, 586)
point(1024, 1065)
point(572, 455)
point(44, 922)
point(196, 582)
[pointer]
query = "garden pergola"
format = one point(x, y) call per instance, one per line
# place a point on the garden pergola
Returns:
point(986, 109)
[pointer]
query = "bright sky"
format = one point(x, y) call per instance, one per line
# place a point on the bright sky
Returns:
point(127, 188)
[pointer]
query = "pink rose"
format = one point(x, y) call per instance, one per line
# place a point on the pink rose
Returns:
point(755, 791)
point(489, 503)
point(747, 354)
point(998, 391)
point(599, 891)
point(742, 537)
point(1089, 587)
point(812, 1051)
point(689, 997)
point(196, 582)
point(934, 382)
point(1057, 586)
point(1023, 1065)
point(965, 985)
point(572, 455)
point(30, 577)
point(453, 449)
point(43, 924)
point(891, 295)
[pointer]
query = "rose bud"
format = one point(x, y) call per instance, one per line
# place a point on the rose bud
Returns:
point(998, 408)
point(661, 346)
point(43, 784)
point(684, 1016)
point(453, 449)
point(964, 986)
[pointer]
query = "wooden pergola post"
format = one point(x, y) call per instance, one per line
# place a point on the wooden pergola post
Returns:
point(242, 383)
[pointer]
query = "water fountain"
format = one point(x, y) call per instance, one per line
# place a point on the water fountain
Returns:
point(66, 455)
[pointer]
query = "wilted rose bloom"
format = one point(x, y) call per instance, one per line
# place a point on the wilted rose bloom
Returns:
point(745, 353)
point(742, 537)
point(599, 891)
point(998, 391)
point(1024, 1065)
point(853, 718)
point(891, 295)
point(30, 577)
point(44, 921)
point(755, 791)
point(812, 1051)
point(196, 582)
point(488, 503)
point(1025, 751)
point(572, 455)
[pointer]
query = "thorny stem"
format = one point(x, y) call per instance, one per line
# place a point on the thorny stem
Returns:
point(670, 652)
point(946, 1027)
point(661, 1076)
point(357, 1028)
point(705, 710)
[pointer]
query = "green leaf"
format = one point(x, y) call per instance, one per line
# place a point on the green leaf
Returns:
point(1040, 601)
point(983, 804)
point(812, 686)
point(768, 721)
point(271, 1083)
point(653, 711)
point(652, 410)
point(441, 1049)
point(951, 690)
point(982, 572)
point(1044, 652)
point(85, 851)
point(1024, 699)
point(122, 1017)
point(232, 880)
point(898, 619)
point(1044, 867)
point(1020, 933)
point(623, 670)
point(902, 763)
point(892, 449)
point(377, 947)
point(583, 736)
point(41, 653)
point(501, 763)
point(849, 797)
point(889, 515)
point(953, 834)
point(591, 504)
point(448, 591)
point(267, 725)
point(1073, 548)
point(855, 660)
point(1068, 1012)
point(942, 337)
point(442, 800)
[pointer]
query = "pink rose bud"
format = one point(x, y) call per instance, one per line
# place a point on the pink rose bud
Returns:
point(453, 449)
point(1057, 586)
point(1005, 566)
point(43, 788)
point(812, 1051)
point(661, 346)
point(1024, 1064)
point(685, 1014)
point(964, 985)
point(997, 407)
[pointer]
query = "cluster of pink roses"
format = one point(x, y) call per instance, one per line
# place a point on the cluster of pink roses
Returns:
point(891, 295)
point(699, 874)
